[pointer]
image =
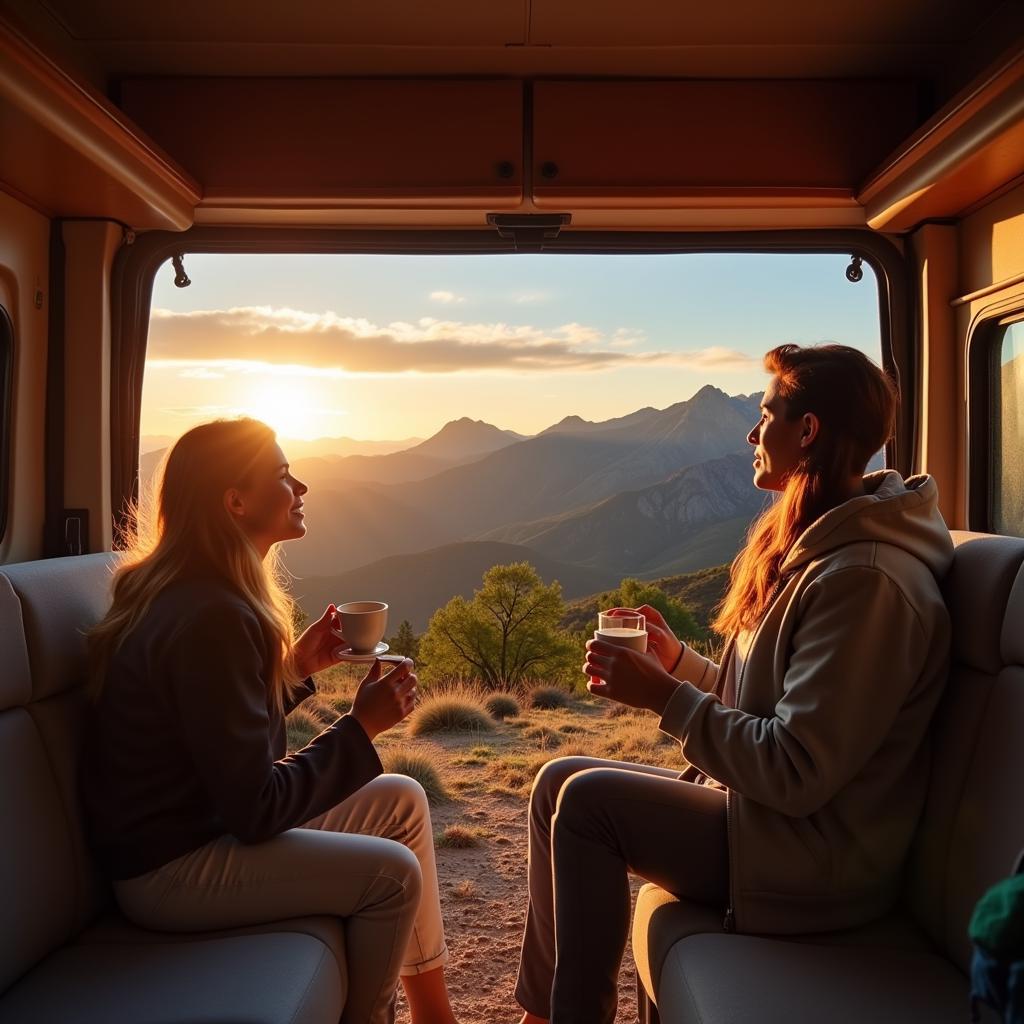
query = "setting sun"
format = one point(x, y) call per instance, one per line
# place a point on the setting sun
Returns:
point(296, 409)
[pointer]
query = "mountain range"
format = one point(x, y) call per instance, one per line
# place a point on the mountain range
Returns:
point(652, 494)
point(564, 470)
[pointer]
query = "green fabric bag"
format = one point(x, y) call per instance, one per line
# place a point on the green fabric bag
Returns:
point(997, 924)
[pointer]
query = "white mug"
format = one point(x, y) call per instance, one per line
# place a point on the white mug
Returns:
point(363, 624)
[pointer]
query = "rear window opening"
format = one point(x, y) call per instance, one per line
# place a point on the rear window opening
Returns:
point(583, 413)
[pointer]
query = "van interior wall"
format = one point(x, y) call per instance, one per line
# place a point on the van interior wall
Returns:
point(990, 287)
point(90, 247)
point(24, 276)
point(934, 254)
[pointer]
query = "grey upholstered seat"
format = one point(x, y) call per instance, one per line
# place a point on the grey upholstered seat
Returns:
point(912, 966)
point(66, 955)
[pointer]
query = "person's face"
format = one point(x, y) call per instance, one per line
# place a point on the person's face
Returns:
point(269, 507)
point(779, 443)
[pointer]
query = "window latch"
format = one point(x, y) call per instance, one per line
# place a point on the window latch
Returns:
point(529, 231)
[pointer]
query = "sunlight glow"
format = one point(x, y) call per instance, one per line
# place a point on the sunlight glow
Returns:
point(289, 407)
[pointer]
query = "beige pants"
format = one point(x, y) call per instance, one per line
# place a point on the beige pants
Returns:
point(369, 860)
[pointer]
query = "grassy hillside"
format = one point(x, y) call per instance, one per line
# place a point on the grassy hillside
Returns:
point(700, 591)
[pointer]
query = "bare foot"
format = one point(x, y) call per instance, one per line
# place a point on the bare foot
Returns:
point(529, 1018)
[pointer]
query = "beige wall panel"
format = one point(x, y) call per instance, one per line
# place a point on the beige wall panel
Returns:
point(90, 247)
point(992, 287)
point(934, 252)
point(992, 242)
point(24, 268)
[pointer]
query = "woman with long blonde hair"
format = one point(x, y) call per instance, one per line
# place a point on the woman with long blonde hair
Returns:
point(195, 811)
point(806, 744)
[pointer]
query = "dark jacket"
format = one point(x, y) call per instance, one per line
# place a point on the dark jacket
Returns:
point(183, 745)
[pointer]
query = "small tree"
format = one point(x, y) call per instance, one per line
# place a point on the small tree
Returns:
point(507, 633)
point(633, 593)
point(405, 641)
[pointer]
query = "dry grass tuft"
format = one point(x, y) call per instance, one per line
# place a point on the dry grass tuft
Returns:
point(548, 698)
point(501, 706)
point(301, 726)
point(465, 890)
point(455, 708)
point(460, 837)
point(545, 736)
point(420, 765)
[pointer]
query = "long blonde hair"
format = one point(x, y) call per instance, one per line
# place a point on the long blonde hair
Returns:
point(185, 527)
point(855, 402)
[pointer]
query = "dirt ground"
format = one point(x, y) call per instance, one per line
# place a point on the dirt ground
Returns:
point(483, 898)
point(484, 887)
point(486, 773)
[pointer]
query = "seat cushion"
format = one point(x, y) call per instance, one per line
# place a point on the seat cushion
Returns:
point(661, 920)
point(114, 929)
point(277, 978)
point(743, 979)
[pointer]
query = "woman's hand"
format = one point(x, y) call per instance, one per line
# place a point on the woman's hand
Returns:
point(660, 638)
point(314, 650)
point(628, 676)
point(383, 701)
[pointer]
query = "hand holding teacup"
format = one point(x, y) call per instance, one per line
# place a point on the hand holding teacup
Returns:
point(315, 649)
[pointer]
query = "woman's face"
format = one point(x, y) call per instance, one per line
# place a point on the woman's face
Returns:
point(269, 507)
point(779, 443)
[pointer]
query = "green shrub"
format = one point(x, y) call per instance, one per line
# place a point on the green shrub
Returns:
point(418, 764)
point(450, 709)
point(548, 698)
point(501, 706)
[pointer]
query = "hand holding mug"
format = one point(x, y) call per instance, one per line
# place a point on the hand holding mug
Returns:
point(383, 701)
point(660, 638)
point(627, 676)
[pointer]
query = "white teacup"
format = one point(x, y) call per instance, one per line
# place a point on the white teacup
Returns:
point(363, 624)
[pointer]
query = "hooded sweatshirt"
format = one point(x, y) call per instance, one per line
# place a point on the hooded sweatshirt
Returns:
point(816, 722)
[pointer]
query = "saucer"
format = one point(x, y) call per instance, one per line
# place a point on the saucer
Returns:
point(347, 654)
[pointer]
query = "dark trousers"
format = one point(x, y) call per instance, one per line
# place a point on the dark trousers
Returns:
point(592, 823)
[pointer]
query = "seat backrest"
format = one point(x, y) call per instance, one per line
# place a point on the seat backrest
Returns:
point(51, 888)
point(973, 825)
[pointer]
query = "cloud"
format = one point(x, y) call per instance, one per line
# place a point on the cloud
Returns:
point(325, 343)
point(448, 298)
point(203, 372)
point(531, 298)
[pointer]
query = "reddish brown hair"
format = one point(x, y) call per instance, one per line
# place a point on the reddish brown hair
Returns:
point(855, 402)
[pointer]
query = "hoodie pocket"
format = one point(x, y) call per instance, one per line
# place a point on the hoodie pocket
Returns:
point(814, 843)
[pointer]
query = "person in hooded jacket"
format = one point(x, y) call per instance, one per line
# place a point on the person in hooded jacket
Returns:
point(806, 744)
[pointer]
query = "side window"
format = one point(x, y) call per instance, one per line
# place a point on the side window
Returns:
point(1007, 384)
point(6, 401)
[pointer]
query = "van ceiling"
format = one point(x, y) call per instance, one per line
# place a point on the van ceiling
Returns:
point(942, 41)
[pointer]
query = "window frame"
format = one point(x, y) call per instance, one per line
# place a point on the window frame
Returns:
point(6, 415)
point(136, 265)
point(982, 366)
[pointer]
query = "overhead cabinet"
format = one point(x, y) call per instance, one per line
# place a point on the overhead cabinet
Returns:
point(376, 142)
point(609, 142)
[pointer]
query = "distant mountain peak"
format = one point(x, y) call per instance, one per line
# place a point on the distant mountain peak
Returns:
point(466, 436)
point(568, 423)
point(709, 391)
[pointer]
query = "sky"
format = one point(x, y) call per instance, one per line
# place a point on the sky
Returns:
point(380, 347)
